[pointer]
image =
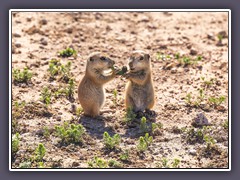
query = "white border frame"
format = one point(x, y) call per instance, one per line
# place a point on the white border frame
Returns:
point(121, 10)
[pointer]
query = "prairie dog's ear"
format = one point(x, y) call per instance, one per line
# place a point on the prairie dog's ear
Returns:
point(147, 56)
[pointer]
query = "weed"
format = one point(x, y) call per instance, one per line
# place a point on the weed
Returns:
point(130, 115)
point(208, 83)
point(216, 101)
point(39, 152)
point(46, 96)
point(25, 165)
point(220, 37)
point(210, 141)
point(143, 125)
point(160, 56)
point(176, 163)
point(70, 89)
point(68, 52)
point(156, 126)
point(144, 142)
point(124, 156)
point(188, 99)
point(187, 60)
point(70, 133)
point(46, 132)
point(22, 76)
point(111, 142)
point(194, 135)
point(114, 164)
point(15, 143)
point(79, 111)
point(97, 163)
point(41, 165)
point(177, 56)
point(165, 163)
point(54, 67)
point(115, 92)
point(225, 124)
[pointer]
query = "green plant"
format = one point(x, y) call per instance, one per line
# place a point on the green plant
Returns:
point(22, 76)
point(187, 60)
point(68, 52)
point(56, 68)
point(70, 133)
point(25, 165)
point(144, 142)
point(130, 115)
point(175, 163)
point(41, 165)
point(46, 132)
point(46, 96)
point(79, 111)
point(124, 156)
point(225, 124)
point(156, 126)
point(143, 125)
point(15, 143)
point(39, 152)
point(111, 142)
point(70, 88)
point(188, 98)
point(177, 56)
point(115, 93)
point(165, 163)
point(114, 163)
point(216, 101)
point(97, 163)
point(210, 141)
point(195, 135)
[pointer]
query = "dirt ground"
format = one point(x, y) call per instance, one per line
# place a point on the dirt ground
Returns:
point(189, 55)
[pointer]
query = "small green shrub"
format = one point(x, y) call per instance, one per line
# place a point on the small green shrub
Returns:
point(115, 93)
point(25, 165)
point(143, 125)
point(111, 142)
point(129, 116)
point(70, 133)
point(56, 68)
point(46, 96)
point(40, 152)
point(124, 156)
point(70, 89)
point(144, 142)
point(22, 76)
point(15, 143)
point(68, 52)
point(216, 101)
point(114, 164)
point(225, 124)
point(176, 163)
point(97, 163)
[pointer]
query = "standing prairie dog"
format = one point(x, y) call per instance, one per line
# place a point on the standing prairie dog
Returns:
point(90, 90)
point(139, 95)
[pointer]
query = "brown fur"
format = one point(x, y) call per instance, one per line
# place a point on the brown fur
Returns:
point(90, 89)
point(139, 95)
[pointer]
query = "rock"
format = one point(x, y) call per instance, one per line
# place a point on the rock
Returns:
point(69, 30)
point(16, 35)
point(29, 18)
point(75, 164)
point(44, 42)
point(193, 52)
point(18, 44)
point(43, 21)
point(201, 120)
point(174, 70)
point(192, 152)
point(211, 37)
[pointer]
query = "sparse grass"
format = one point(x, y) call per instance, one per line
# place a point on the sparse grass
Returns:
point(111, 142)
point(40, 153)
point(210, 141)
point(165, 163)
point(79, 112)
point(144, 142)
point(68, 52)
point(208, 83)
point(188, 99)
point(185, 60)
point(46, 96)
point(70, 88)
point(23, 76)
point(130, 116)
point(15, 143)
point(97, 162)
point(70, 133)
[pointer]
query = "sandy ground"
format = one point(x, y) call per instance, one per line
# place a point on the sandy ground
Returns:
point(202, 37)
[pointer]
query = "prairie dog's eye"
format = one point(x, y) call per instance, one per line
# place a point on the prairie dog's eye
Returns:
point(103, 58)
point(91, 59)
point(141, 58)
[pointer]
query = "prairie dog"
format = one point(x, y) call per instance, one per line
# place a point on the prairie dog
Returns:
point(90, 90)
point(139, 94)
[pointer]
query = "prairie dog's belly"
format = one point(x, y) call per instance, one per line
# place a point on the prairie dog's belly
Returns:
point(139, 96)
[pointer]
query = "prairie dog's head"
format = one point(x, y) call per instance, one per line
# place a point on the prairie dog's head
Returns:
point(99, 62)
point(139, 60)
